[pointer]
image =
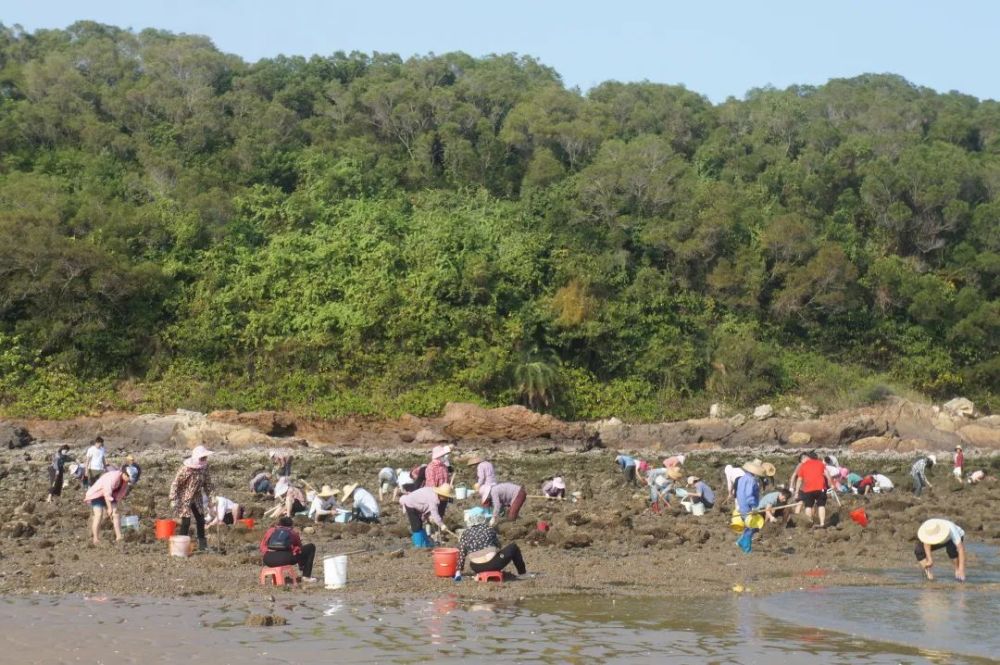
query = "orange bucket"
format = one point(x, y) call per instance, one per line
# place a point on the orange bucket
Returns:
point(445, 561)
point(247, 522)
point(860, 516)
point(165, 528)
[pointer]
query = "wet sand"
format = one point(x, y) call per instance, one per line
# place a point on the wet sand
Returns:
point(608, 543)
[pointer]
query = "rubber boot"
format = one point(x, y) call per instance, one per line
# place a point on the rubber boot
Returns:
point(203, 544)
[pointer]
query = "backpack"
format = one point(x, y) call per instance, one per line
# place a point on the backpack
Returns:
point(280, 540)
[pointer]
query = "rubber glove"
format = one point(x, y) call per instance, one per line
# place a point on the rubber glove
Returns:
point(458, 577)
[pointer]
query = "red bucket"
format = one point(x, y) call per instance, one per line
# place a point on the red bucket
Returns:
point(164, 529)
point(543, 526)
point(247, 522)
point(445, 561)
point(860, 516)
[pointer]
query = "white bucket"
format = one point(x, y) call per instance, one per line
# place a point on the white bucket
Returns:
point(335, 571)
point(698, 508)
point(180, 546)
point(461, 492)
point(130, 522)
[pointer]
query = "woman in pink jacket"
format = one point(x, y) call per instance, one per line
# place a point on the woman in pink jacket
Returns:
point(103, 496)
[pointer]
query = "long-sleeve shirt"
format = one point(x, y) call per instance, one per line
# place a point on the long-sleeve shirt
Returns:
point(476, 538)
point(485, 475)
point(436, 474)
point(365, 503)
point(624, 461)
point(59, 461)
point(502, 495)
point(109, 487)
point(959, 460)
point(747, 493)
point(424, 500)
point(189, 484)
point(706, 493)
point(733, 473)
point(919, 469)
point(296, 540)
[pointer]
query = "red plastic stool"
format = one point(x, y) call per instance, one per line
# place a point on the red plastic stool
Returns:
point(278, 575)
point(489, 575)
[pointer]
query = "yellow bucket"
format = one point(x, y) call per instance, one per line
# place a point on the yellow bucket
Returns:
point(754, 521)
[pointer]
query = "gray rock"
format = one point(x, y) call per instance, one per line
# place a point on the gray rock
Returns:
point(763, 412)
point(960, 407)
point(13, 436)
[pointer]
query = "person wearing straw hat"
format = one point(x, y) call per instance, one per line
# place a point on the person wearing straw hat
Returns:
point(554, 488)
point(503, 497)
point(480, 545)
point(485, 473)
point(191, 481)
point(812, 480)
point(438, 471)
point(935, 534)
point(104, 495)
point(324, 504)
point(425, 504)
point(366, 508)
point(919, 471)
point(959, 469)
point(768, 478)
point(747, 500)
point(700, 492)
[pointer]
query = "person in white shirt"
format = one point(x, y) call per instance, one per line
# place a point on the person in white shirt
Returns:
point(882, 483)
point(386, 482)
point(939, 533)
point(223, 511)
point(94, 461)
point(324, 504)
point(365, 506)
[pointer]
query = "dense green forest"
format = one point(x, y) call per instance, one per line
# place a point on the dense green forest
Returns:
point(363, 234)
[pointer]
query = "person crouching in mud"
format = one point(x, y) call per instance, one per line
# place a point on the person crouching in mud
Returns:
point(480, 544)
point(282, 546)
point(426, 502)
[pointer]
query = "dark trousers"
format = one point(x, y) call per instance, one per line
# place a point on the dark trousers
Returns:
point(55, 481)
point(416, 520)
point(500, 560)
point(948, 545)
point(358, 517)
point(199, 522)
point(629, 472)
point(304, 559)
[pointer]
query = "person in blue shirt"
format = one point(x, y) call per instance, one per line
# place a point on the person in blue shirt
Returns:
point(700, 492)
point(748, 499)
point(627, 465)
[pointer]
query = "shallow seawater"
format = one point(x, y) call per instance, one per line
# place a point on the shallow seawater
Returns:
point(856, 625)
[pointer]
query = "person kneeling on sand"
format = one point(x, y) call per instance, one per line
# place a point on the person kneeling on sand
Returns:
point(282, 546)
point(366, 508)
point(935, 534)
point(260, 484)
point(700, 492)
point(480, 544)
point(324, 504)
point(771, 500)
point(103, 496)
point(426, 503)
point(223, 511)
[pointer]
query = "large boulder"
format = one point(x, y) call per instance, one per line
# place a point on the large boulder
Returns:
point(14, 436)
point(763, 412)
point(977, 436)
point(960, 407)
point(183, 429)
point(514, 423)
point(799, 439)
point(272, 423)
point(874, 444)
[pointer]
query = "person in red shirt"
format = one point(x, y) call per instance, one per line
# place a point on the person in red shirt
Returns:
point(281, 546)
point(959, 469)
point(812, 481)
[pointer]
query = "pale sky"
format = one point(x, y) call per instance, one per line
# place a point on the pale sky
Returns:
point(719, 49)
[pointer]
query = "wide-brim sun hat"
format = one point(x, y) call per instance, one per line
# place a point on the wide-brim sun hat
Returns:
point(558, 483)
point(674, 473)
point(934, 531)
point(200, 452)
point(474, 460)
point(769, 469)
point(958, 447)
point(932, 458)
point(348, 490)
point(326, 492)
point(440, 451)
point(693, 479)
point(445, 490)
point(755, 467)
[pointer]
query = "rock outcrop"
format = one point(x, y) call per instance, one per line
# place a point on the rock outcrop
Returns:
point(510, 423)
point(14, 436)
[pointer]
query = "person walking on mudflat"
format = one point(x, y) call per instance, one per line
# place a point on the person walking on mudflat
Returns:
point(191, 481)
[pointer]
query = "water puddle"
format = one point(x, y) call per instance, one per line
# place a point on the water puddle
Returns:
point(848, 626)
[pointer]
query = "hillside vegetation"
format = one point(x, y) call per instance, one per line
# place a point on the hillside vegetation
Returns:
point(362, 234)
